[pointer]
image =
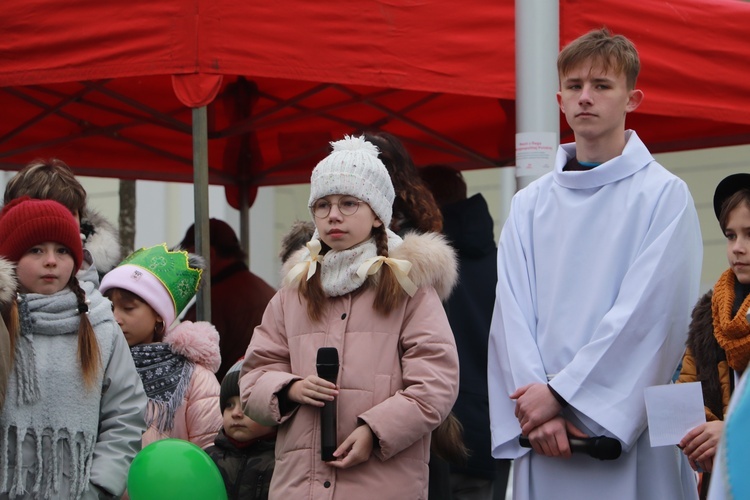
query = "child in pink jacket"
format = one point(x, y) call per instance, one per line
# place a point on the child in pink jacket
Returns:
point(176, 363)
point(376, 299)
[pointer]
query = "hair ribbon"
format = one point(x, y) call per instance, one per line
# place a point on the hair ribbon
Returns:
point(308, 265)
point(399, 267)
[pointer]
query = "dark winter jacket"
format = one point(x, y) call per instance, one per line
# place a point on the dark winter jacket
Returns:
point(246, 471)
point(468, 226)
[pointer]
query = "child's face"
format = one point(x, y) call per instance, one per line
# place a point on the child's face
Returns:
point(340, 231)
point(595, 102)
point(239, 426)
point(136, 319)
point(737, 233)
point(45, 268)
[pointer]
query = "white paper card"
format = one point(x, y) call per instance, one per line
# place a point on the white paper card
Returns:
point(673, 410)
point(535, 153)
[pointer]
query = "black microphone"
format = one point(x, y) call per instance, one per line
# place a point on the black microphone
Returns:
point(328, 369)
point(601, 447)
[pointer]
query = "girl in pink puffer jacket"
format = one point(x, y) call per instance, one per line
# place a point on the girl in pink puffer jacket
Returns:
point(376, 299)
point(176, 363)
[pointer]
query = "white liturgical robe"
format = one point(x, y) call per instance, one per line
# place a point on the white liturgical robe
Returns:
point(598, 271)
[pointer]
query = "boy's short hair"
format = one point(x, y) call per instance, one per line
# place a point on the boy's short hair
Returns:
point(48, 180)
point(611, 52)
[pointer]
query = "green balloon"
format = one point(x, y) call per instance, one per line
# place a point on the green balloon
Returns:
point(174, 469)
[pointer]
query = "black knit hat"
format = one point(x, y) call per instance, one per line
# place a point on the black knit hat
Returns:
point(230, 384)
point(727, 187)
point(230, 387)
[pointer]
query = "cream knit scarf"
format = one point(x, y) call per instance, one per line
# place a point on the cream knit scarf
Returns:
point(338, 273)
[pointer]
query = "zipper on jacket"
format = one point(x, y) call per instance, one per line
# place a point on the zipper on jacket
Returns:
point(258, 485)
point(238, 484)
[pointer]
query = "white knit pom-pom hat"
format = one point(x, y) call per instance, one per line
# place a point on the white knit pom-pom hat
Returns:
point(353, 168)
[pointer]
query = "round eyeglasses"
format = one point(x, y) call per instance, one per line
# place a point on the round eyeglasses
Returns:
point(347, 205)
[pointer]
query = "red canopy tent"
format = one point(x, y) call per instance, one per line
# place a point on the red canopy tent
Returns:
point(108, 86)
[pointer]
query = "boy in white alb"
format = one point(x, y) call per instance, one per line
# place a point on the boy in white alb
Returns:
point(598, 268)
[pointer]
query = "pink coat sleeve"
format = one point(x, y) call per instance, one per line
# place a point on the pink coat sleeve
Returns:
point(267, 369)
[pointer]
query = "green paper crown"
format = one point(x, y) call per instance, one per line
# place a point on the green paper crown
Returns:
point(172, 269)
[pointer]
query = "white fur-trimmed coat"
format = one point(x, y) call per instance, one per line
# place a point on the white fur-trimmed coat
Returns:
point(101, 240)
point(399, 375)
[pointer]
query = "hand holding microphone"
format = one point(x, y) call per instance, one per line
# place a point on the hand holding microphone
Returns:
point(328, 369)
point(601, 447)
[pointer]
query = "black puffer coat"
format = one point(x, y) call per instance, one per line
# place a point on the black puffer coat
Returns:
point(468, 226)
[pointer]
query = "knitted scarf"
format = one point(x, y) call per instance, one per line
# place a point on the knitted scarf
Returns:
point(338, 272)
point(732, 333)
point(166, 379)
point(48, 407)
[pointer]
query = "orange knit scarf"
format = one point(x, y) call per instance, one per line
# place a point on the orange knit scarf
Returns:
point(732, 333)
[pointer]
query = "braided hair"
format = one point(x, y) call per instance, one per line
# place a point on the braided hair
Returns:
point(88, 347)
point(389, 292)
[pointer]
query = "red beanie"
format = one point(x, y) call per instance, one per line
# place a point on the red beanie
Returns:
point(25, 222)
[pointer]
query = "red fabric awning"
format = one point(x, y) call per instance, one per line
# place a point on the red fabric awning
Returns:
point(106, 86)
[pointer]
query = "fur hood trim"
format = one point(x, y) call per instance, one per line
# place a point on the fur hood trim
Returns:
point(8, 283)
point(434, 261)
point(299, 234)
point(707, 354)
point(198, 342)
point(102, 240)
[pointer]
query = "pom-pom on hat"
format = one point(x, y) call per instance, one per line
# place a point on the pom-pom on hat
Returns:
point(25, 222)
point(353, 168)
point(727, 187)
point(163, 278)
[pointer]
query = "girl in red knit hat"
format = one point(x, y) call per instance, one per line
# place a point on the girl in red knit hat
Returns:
point(73, 416)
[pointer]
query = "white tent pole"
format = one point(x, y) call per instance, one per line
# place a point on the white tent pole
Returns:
point(200, 190)
point(537, 114)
